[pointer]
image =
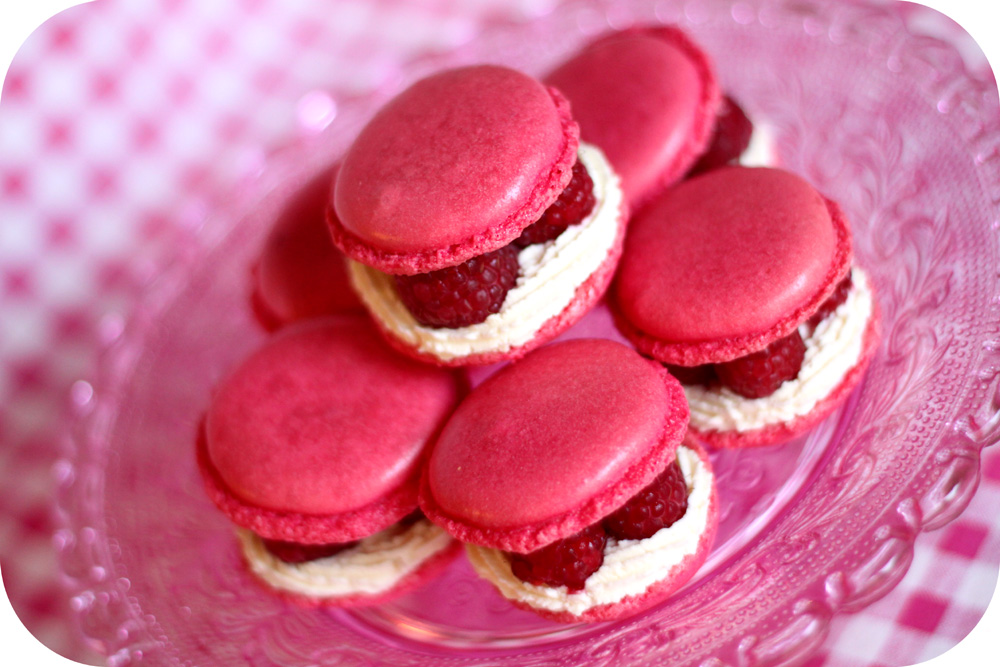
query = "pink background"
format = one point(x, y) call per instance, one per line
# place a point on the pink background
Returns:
point(120, 121)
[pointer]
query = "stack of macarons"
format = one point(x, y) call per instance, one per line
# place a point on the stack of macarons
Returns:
point(568, 476)
point(313, 446)
point(475, 226)
point(478, 225)
point(742, 281)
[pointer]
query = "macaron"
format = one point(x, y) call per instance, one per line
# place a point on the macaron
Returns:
point(299, 273)
point(480, 227)
point(568, 476)
point(313, 447)
point(648, 97)
point(742, 280)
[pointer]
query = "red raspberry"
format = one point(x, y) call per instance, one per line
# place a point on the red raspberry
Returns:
point(295, 553)
point(761, 373)
point(732, 136)
point(567, 562)
point(661, 504)
point(838, 297)
point(461, 295)
point(574, 204)
point(703, 375)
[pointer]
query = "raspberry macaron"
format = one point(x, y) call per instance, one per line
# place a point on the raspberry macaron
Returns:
point(742, 281)
point(300, 274)
point(313, 447)
point(648, 97)
point(480, 226)
point(568, 476)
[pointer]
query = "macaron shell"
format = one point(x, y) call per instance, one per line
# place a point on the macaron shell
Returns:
point(679, 575)
point(428, 571)
point(778, 433)
point(648, 98)
point(300, 273)
point(587, 296)
point(551, 444)
point(324, 421)
point(298, 526)
point(728, 262)
point(454, 167)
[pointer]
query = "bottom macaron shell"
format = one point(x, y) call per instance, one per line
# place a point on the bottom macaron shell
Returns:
point(783, 432)
point(585, 298)
point(428, 571)
point(678, 575)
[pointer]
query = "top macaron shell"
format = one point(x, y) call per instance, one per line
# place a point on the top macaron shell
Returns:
point(553, 443)
point(454, 167)
point(728, 262)
point(648, 98)
point(318, 436)
point(300, 273)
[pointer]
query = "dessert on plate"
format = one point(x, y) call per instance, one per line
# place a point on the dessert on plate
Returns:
point(478, 225)
point(569, 477)
point(313, 447)
point(742, 281)
point(300, 274)
point(648, 97)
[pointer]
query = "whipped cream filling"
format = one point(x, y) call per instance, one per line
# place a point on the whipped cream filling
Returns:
point(548, 276)
point(630, 567)
point(373, 566)
point(832, 350)
point(762, 150)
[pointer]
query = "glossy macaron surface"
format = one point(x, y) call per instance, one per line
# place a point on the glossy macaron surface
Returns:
point(729, 254)
point(551, 433)
point(647, 98)
point(324, 419)
point(468, 153)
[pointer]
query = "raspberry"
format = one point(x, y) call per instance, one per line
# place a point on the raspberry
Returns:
point(567, 562)
point(661, 504)
point(838, 297)
point(461, 295)
point(703, 375)
point(573, 205)
point(295, 553)
point(732, 136)
point(761, 373)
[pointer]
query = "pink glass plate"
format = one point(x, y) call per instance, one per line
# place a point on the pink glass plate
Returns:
point(887, 123)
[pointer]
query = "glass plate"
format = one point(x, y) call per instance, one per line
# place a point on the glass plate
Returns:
point(886, 123)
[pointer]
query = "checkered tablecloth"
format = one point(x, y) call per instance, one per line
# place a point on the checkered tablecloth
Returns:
point(119, 119)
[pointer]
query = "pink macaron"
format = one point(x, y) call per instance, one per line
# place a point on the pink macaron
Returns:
point(574, 460)
point(648, 97)
point(300, 274)
point(742, 280)
point(479, 225)
point(313, 446)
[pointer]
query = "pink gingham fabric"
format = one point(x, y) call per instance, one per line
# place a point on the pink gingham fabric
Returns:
point(120, 119)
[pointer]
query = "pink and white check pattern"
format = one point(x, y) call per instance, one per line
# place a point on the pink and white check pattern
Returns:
point(119, 119)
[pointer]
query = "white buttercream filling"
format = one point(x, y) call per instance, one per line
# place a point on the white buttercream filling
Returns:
point(832, 350)
point(548, 276)
point(375, 565)
point(630, 567)
point(762, 150)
